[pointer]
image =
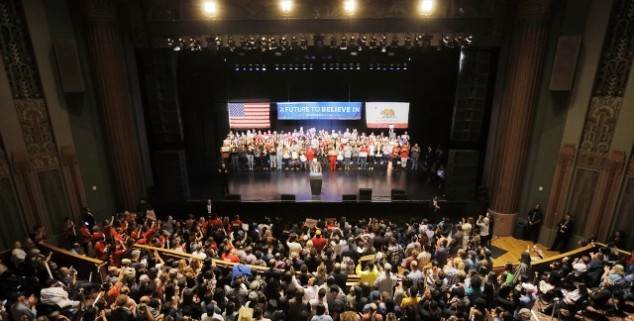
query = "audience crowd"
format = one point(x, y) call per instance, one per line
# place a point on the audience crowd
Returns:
point(331, 270)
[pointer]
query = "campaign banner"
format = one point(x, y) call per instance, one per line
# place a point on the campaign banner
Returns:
point(386, 114)
point(319, 110)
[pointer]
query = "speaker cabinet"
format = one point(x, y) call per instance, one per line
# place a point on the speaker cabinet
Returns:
point(365, 194)
point(233, 197)
point(400, 197)
point(68, 65)
point(172, 179)
point(349, 197)
point(565, 65)
point(288, 197)
point(462, 174)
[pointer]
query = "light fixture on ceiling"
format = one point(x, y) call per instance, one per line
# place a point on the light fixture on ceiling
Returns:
point(426, 7)
point(210, 8)
point(350, 6)
point(286, 6)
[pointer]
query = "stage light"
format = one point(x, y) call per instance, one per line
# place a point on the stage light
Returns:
point(263, 44)
point(273, 44)
point(395, 41)
point(194, 45)
point(373, 41)
point(286, 6)
point(344, 43)
point(303, 43)
point(350, 7)
point(426, 7)
point(178, 45)
point(231, 44)
point(210, 8)
point(293, 42)
point(237, 68)
point(283, 43)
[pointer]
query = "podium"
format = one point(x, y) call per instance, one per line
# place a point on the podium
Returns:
point(315, 184)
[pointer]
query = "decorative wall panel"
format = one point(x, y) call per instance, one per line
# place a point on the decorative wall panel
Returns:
point(12, 224)
point(4, 164)
point(583, 191)
point(54, 194)
point(37, 132)
point(609, 86)
point(21, 70)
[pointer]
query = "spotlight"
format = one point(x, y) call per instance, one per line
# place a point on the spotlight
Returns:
point(272, 44)
point(210, 8)
point(194, 45)
point(350, 6)
point(426, 7)
point(178, 45)
point(395, 41)
point(293, 42)
point(372, 42)
point(344, 43)
point(263, 44)
point(303, 43)
point(408, 41)
point(286, 6)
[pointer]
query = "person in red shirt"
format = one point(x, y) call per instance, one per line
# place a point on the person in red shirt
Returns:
point(230, 256)
point(332, 157)
point(404, 155)
point(86, 237)
point(363, 156)
point(102, 249)
point(396, 152)
point(319, 242)
point(97, 235)
point(310, 154)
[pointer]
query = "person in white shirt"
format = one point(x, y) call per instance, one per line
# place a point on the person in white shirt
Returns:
point(483, 223)
point(55, 294)
point(386, 280)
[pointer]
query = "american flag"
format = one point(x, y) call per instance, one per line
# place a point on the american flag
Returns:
point(249, 115)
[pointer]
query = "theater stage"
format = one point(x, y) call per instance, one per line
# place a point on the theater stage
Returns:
point(260, 194)
point(271, 185)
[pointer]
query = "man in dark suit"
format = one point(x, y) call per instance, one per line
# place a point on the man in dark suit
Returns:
point(533, 223)
point(564, 232)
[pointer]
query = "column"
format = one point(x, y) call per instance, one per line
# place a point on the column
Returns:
point(114, 100)
point(525, 61)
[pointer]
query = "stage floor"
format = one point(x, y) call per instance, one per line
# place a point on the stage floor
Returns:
point(270, 185)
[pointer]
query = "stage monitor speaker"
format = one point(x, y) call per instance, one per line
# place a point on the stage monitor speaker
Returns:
point(565, 65)
point(396, 191)
point(349, 197)
point(365, 194)
point(172, 179)
point(68, 64)
point(400, 197)
point(288, 197)
point(462, 174)
point(233, 197)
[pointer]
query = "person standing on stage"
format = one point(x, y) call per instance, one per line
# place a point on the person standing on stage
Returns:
point(235, 161)
point(415, 155)
point(564, 232)
point(223, 179)
point(533, 223)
